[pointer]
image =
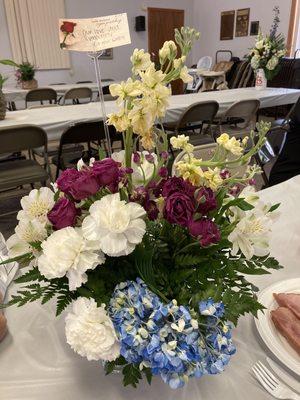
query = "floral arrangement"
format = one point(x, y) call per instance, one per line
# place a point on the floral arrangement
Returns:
point(151, 267)
point(25, 72)
point(67, 28)
point(268, 50)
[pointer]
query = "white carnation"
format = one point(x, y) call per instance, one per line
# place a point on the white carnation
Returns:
point(117, 225)
point(37, 205)
point(90, 331)
point(67, 252)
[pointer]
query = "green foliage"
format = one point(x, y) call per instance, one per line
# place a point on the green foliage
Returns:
point(131, 373)
point(43, 290)
point(27, 71)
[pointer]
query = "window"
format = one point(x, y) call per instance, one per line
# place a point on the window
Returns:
point(33, 31)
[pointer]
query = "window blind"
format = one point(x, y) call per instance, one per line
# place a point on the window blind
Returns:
point(33, 31)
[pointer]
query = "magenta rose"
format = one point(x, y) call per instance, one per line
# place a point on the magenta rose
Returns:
point(206, 200)
point(63, 214)
point(78, 184)
point(174, 185)
point(108, 174)
point(179, 209)
point(206, 231)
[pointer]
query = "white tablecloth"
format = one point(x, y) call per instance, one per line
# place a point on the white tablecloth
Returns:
point(18, 94)
point(55, 120)
point(36, 363)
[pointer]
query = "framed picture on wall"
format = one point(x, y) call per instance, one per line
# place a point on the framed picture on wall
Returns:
point(227, 25)
point(254, 28)
point(242, 22)
point(107, 54)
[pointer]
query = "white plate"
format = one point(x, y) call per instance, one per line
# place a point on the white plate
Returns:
point(269, 334)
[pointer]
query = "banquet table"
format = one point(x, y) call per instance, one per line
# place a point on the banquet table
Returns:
point(36, 363)
point(18, 94)
point(55, 119)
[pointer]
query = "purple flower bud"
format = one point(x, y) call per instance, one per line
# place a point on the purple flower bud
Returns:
point(136, 158)
point(206, 200)
point(152, 210)
point(163, 172)
point(206, 231)
point(225, 174)
point(149, 157)
point(165, 155)
point(63, 214)
point(235, 190)
point(252, 182)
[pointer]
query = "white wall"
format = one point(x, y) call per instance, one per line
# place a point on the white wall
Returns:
point(82, 69)
point(207, 17)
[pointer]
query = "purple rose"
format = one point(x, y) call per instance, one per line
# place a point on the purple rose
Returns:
point(206, 200)
point(78, 184)
point(206, 231)
point(139, 194)
point(63, 214)
point(108, 174)
point(179, 209)
point(174, 185)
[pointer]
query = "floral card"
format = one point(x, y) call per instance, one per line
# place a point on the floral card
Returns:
point(94, 34)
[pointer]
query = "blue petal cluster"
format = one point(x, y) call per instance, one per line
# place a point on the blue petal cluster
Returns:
point(166, 338)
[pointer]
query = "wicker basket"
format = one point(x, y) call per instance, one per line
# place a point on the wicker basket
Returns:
point(2, 105)
point(29, 85)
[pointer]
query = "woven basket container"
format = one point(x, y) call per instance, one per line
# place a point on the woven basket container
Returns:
point(29, 85)
point(2, 105)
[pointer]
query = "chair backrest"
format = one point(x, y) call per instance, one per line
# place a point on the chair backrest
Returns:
point(205, 152)
point(245, 109)
point(205, 63)
point(23, 137)
point(198, 112)
point(109, 97)
point(78, 93)
point(79, 82)
point(57, 84)
point(41, 94)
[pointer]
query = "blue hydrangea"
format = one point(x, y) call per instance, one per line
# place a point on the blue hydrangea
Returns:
point(166, 337)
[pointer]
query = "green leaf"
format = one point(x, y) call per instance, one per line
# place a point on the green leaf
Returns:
point(109, 367)
point(274, 207)
point(9, 62)
point(131, 375)
point(185, 260)
point(102, 153)
point(32, 275)
point(148, 374)
point(25, 256)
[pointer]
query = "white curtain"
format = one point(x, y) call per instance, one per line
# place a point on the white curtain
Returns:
point(33, 30)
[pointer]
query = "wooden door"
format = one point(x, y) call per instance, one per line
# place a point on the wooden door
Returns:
point(161, 25)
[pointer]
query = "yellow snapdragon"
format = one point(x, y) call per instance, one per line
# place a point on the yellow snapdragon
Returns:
point(182, 142)
point(140, 61)
point(231, 144)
